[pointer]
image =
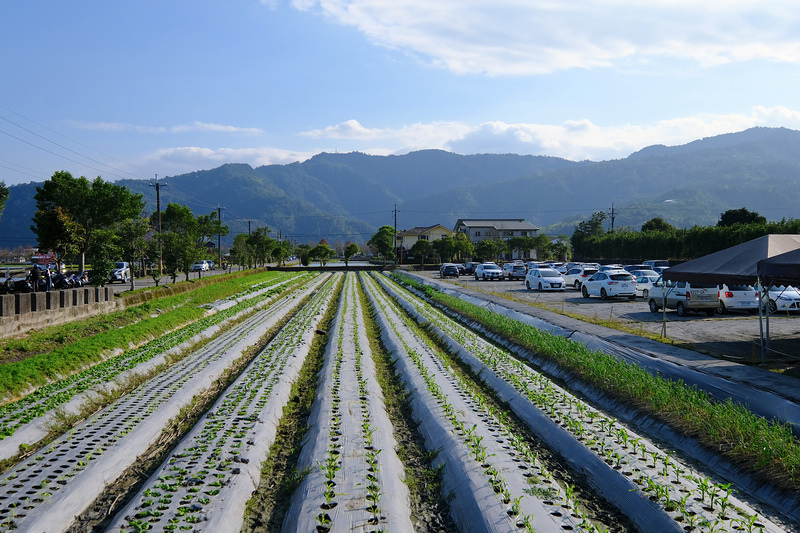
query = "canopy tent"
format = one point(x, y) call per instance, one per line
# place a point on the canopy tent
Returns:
point(737, 264)
point(743, 263)
point(783, 269)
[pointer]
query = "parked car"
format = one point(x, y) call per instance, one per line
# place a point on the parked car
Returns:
point(514, 271)
point(544, 279)
point(486, 271)
point(121, 272)
point(653, 263)
point(783, 298)
point(660, 270)
point(576, 275)
point(462, 270)
point(471, 266)
point(449, 271)
point(684, 296)
point(604, 268)
point(631, 268)
point(609, 284)
point(735, 297)
point(644, 281)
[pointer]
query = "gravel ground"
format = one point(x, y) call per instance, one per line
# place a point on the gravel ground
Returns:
point(733, 336)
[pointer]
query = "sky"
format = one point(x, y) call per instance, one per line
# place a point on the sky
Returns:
point(122, 89)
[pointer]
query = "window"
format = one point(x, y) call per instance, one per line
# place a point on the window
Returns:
point(422, 238)
point(477, 233)
point(523, 233)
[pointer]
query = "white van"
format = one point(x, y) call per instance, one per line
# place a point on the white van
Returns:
point(684, 296)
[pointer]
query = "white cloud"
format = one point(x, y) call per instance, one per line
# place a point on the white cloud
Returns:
point(573, 139)
point(513, 37)
point(181, 128)
point(178, 160)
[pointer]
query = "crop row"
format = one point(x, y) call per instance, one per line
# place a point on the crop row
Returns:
point(15, 414)
point(205, 476)
point(689, 497)
point(498, 482)
point(354, 480)
point(57, 484)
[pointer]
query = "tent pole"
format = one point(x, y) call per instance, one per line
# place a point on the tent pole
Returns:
point(761, 316)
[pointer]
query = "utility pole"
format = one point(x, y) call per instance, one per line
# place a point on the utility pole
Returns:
point(396, 249)
point(158, 186)
point(219, 228)
point(612, 217)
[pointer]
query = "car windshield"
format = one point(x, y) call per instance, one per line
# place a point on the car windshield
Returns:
point(704, 285)
point(120, 264)
point(549, 273)
point(740, 288)
point(645, 273)
point(491, 267)
point(519, 268)
point(590, 271)
point(621, 277)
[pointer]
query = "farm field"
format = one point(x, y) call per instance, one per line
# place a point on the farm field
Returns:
point(507, 447)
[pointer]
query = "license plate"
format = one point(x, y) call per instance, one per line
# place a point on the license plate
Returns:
point(555, 285)
point(625, 285)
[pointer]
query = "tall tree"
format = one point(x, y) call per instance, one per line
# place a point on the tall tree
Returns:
point(3, 196)
point(179, 239)
point(383, 242)
point(350, 249)
point(132, 242)
point(86, 207)
point(740, 216)
point(322, 252)
point(657, 224)
point(445, 248)
point(421, 249)
point(464, 246)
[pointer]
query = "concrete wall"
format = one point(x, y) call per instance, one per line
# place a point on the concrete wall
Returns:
point(22, 312)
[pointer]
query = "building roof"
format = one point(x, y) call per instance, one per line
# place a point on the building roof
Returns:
point(421, 230)
point(500, 224)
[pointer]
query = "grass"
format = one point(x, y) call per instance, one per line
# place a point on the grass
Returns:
point(63, 350)
point(767, 448)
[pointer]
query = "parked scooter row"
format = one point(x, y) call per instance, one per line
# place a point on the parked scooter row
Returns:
point(58, 281)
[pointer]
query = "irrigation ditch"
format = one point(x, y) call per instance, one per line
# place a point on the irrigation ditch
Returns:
point(515, 446)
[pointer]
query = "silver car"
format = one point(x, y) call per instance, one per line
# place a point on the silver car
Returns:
point(544, 279)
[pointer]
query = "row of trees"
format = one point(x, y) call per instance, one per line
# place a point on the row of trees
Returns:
point(104, 222)
point(659, 239)
point(459, 247)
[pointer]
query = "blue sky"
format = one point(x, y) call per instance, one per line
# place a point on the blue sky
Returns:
point(126, 89)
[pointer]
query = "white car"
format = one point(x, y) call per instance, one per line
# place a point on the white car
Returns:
point(783, 298)
point(576, 275)
point(605, 268)
point(201, 266)
point(609, 284)
point(544, 279)
point(737, 298)
point(514, 271)
point(121, 272)
point(644, 281)
point(486, 271)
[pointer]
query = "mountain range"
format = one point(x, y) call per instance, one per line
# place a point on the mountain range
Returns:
point(343, 197)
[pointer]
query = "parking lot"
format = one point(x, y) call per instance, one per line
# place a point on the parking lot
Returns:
point(733, 336)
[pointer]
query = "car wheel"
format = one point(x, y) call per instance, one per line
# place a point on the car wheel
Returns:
point(711, 312)
point(654, 307)
point(773, 307)
point(476, 277)
point(528, 285)
point(577, 285)
point(721, 309)
point(603, 294)
point(540, 286)
point(584, 292)
point(645, 294)
point(681, 309)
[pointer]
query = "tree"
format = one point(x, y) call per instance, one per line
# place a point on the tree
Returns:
point(561, 250)
point(383, 242)
point(241, 254)
point(445, 248)
point(179, 239)
point(421, 249)
point(4, 192)
point(209, 226)
point(262, 245)
point(522, 245)
point(322, 252)
point(490, 249)
point(132, 242)
point(657, 224)
point(281, 251)
point(85, 208)
point(350, 249)
point(304, 254)
point(586, 230)
point(740, 216)
point(464, 246)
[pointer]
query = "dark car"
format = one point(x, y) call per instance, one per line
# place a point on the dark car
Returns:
point(450, 271)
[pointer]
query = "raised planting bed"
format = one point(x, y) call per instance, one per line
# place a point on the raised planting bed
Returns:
point(355, 477)
point(497, 482)
point(209, 477)
point(47, 491)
